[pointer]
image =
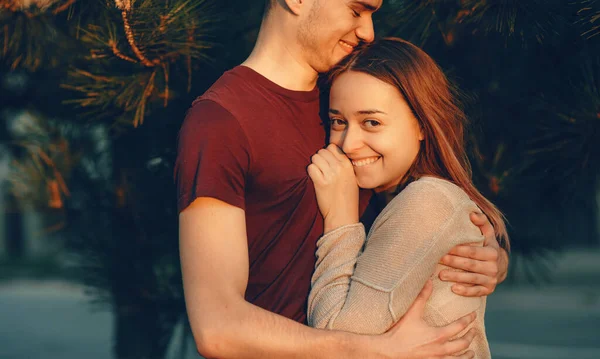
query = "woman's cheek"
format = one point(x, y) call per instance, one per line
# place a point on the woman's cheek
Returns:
point(335, 138)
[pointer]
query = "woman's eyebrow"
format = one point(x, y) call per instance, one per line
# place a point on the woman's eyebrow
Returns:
point(359, 112)
point(369, 112)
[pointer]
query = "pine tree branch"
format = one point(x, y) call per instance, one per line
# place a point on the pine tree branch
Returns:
point(63, 7)
point(113, 46)
point(590, 15)
point(126, 8)
point(141, 109)
point(165, 68)
point(6, 38)
point(35, 9)
point(162, 38)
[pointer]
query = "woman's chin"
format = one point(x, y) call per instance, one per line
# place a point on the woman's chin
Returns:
point(367, 184)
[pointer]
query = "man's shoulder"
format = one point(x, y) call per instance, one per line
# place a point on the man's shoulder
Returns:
point(205, 111)
point(218, 104)
point(232, 89)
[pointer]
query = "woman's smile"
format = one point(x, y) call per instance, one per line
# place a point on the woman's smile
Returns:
point(364, 161)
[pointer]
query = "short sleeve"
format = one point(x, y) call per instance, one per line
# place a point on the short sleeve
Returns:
point(213, 156)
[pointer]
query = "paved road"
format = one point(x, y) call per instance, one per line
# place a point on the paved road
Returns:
point(552, 323)
point(53, 320)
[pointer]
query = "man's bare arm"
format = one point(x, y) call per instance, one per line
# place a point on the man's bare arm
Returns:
point(214, 259)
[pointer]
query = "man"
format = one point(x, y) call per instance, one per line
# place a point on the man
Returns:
point(249, 220)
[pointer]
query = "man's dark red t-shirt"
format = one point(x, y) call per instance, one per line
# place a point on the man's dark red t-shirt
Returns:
point(248, 141)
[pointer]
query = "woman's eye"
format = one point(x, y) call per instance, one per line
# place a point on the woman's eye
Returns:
point(371, 123)
point(337, 123)
point(355, 13)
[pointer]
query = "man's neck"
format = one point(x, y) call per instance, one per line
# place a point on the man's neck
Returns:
point(278, 59)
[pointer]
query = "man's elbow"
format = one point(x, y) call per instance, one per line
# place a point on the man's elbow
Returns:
point(210, 342)
point(214, 328)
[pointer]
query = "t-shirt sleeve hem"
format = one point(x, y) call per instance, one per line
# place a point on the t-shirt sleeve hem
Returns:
point(186, 199)
point(213, 156)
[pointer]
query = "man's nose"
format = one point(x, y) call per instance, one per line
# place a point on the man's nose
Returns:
point(365, 32)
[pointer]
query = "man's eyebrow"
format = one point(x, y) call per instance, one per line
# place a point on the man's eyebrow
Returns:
point(360, 112)
point(366, 5)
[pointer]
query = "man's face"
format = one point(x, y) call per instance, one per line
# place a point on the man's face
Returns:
point(330, 29)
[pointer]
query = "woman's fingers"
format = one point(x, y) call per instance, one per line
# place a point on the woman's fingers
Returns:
point(328, 156)
point(332, 164)
point(337, 152)
point(315, 173)
point(322, 164)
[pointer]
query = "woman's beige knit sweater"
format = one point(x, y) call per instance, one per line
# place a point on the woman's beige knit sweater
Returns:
point(368, 291)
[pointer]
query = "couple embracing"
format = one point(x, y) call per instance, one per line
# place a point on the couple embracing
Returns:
point(274, 258)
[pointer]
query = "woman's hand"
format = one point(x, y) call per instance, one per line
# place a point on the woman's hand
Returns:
point(335, 185)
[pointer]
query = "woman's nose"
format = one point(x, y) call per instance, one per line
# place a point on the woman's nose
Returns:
point(351, 141)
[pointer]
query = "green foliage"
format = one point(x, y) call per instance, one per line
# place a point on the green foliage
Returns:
point(535, 21)
point(124, 73)
point(133, 51)
point(590, 18)
point(31, 42)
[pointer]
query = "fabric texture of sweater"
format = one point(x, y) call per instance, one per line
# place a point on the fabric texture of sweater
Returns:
point(365, 284)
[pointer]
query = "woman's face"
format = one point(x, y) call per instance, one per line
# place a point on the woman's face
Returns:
point(372, 123)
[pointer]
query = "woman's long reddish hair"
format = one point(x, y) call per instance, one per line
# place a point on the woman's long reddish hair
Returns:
point(432, 101)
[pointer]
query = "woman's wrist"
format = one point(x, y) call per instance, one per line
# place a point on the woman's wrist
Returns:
point(334, 221)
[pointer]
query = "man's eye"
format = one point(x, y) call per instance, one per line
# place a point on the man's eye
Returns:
point(372, 123)
point(355, 13)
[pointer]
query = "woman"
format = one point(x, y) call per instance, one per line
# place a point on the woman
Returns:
point(393, 114)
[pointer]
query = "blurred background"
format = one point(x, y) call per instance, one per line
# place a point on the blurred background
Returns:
point(92, 93)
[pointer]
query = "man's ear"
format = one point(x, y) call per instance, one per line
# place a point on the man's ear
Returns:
point(294, 6)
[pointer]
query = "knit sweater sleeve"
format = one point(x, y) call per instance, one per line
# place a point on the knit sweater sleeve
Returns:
point(368, 292)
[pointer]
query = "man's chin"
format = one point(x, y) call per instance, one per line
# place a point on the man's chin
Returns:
point(337, 59)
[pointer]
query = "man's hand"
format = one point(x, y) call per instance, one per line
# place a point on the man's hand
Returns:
point(485, 266)
point(413, 338)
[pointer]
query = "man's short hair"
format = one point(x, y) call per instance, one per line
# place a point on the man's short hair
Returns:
point(268, 6)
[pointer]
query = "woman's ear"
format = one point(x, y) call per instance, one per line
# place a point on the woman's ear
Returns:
point(420, 132)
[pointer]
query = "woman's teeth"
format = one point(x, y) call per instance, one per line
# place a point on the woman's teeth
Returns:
point(364, 162)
